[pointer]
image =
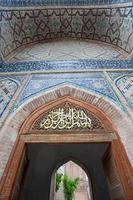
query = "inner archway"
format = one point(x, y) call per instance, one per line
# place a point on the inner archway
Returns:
point(69, 173)
point(42, 159)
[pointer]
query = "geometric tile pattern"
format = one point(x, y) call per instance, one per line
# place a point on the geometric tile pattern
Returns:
point(67, 50)
point(8, 87)
point(60, 2)
point(110, 25)
point(125, 85)
point(124, 82)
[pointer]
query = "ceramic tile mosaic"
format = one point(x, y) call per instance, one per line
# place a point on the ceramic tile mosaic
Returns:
point(67, 50)
point(124, 82)
point(66, 65)
point(118, 74)
point(94, 82)
point(60, 2)
point(110, 25)
point(125, 85)
point(8, 87)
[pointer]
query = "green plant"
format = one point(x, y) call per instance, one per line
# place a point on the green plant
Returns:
point(69, 186)
point(58, 179)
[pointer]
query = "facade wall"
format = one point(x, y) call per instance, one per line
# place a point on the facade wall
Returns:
point(106, 84)
point(115, 86)
point(11, 128)
point(101, 84)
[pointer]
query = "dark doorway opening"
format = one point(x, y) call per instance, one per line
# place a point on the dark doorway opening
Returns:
point(43, 159)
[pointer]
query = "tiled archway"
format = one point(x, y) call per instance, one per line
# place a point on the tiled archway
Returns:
point(104, 110)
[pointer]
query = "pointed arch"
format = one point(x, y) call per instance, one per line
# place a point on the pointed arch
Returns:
point(79, 163)
point(114, 119)
point(73, 159)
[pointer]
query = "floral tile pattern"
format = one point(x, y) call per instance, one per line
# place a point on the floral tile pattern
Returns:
point(68, 65)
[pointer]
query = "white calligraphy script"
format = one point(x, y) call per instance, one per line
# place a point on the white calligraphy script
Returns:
point(60, 119)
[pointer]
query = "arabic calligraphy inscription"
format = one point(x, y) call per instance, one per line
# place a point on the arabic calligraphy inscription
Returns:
point(67, 117)
point(59, 119)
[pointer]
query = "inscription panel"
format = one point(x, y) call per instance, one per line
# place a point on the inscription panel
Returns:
point(67, 117)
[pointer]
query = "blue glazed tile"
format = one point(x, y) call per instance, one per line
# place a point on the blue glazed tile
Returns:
point(116, 75)
point(66, 65)
point(19, 78)
point(94, 82)
point(60, 2)
point(8, 88)
point(27, 26)
point(124, 83)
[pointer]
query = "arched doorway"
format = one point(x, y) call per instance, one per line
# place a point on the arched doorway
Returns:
point(42, 159)
point(70, 173)
point(106, 134)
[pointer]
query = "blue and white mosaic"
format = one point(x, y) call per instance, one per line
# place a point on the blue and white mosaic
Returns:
point(26, 26)
point(94, 82)
point(8, 87)
point(18, 78)
point(125, 85)
point(115, 75)
point(60, 2)
point(67, 50)
point(66, 65)
point(124, 82)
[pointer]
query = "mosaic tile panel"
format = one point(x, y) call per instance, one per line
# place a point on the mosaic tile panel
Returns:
point(115, 75)
point(125, 85)
point(67, 50)
point(8, 87)
point(60, 2)
point(110, 25)
point(94, 82)
point(124, 82)
point(66, 65)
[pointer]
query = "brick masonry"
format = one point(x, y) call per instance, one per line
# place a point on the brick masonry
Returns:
point(112, 118)
point(108, 90)
point(119, 119)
